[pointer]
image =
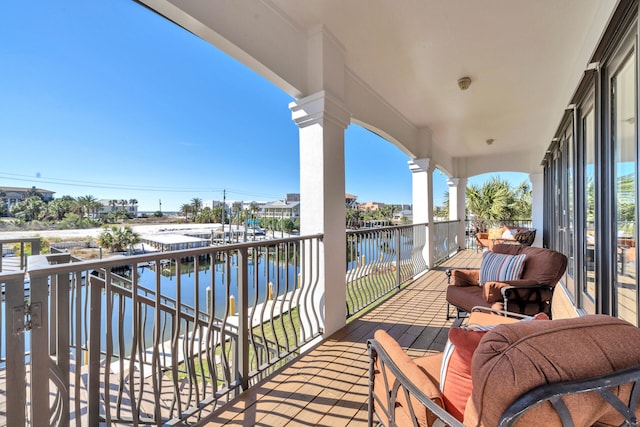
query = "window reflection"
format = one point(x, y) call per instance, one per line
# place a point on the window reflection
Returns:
point(623, 94)
point(589, 282)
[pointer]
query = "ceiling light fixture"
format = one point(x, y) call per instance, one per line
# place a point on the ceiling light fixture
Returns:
point(464, 83)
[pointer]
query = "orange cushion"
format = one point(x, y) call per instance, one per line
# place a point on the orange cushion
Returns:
point(455, 377)
point(516, 358)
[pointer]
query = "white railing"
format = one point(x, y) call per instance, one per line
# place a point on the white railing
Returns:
point(154, 338)
point(379, 260)
point(157, 338)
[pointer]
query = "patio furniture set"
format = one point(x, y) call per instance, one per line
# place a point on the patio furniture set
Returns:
point(509, 363)
point(505, 235)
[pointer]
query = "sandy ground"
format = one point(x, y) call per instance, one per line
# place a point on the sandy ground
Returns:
point(95, 232)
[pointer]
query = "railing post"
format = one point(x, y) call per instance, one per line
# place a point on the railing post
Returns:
point(23, 257)
point(243, 321)
point(60, 322)
point(35, 247)
point(53, 307)
point(398, 256)
point(16, 369)
point(39, 304)
point(93, 346)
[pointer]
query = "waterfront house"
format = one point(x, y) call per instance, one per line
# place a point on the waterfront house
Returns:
point(548, 88)
point(14, 195)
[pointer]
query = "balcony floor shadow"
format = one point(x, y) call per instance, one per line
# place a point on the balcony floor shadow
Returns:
point(328, 385)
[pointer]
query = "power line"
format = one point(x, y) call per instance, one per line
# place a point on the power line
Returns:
point(111, 186)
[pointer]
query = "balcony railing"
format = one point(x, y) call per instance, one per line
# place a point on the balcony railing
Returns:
point(445, 240)
point(157, 338)
point(16, 252)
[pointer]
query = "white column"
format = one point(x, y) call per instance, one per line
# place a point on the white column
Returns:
point(537, 205)
point(457, 208)
point(422, 197)
point(322, 120)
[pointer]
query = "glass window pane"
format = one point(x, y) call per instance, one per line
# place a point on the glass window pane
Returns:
point(623, 127)
point(590, 248)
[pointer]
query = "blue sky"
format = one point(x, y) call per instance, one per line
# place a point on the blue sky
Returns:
point(108, 99)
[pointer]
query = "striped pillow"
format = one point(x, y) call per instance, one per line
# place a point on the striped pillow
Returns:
point(500, 267)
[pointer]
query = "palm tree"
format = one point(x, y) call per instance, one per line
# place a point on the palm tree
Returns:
point(118, 239)
point(86, 202)
point(237, 209)
point(196, 203)
point(493, 201)
point(253, 207)
point(185, 209)
point(30, 209)
point(95, 207)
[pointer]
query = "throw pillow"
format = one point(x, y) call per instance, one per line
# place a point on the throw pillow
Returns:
point(495, 233)
point(500, 267)
point(455, 373)
point(509, 233)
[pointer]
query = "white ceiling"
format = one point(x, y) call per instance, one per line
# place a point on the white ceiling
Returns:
point(525, 57)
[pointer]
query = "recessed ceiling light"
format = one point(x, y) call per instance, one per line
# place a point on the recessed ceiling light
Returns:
point(464, 83)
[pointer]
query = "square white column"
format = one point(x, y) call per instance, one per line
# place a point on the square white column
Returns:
point(422, 198)
point(457, 207)
point(322, 120)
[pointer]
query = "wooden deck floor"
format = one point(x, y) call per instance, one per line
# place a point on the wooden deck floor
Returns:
point(328, 386)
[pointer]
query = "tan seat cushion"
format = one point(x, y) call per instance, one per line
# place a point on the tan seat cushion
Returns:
point(516, 358)
point(424, 373)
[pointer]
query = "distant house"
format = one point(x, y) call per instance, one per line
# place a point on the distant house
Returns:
point(350, 201)
point(373, 206)
point(282, 209)
point(14, 195)
point(110, 205)
point(405, 213)
point(246, 206)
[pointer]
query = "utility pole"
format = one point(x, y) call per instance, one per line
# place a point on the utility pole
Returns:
point(224, 209)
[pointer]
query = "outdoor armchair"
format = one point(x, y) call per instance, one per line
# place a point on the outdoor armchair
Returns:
point(583, 371)
point(509, 235)
point(529, 292)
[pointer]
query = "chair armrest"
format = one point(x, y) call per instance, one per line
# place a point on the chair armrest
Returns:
point(467, 277)
point(504, 313)
point(523, 298)
point(603, 385)
point(397, 384)
point(492, 291)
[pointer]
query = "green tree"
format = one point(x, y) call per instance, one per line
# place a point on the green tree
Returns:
point(86, 203)
point(205, 216)
point(353, 217)
point(3, 203)
point(185, 209)
point(31, 209)
point(286, 225)
point(57, 209)
point(196, 203)
point(495, 200)
point(118, 239)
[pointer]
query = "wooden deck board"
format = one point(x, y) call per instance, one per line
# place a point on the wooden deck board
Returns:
point(328, 386)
